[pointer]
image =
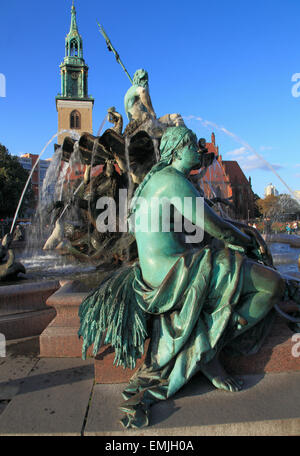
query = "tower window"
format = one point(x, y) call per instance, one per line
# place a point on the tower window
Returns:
point(74, 48)
point(75, 120)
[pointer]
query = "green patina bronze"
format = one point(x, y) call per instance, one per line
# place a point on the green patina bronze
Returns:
point(192, 300)
point(74, 71)
point(138, 105)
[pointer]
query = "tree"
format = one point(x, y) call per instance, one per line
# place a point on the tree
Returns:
point(278, 207)
point(269, 206)
point(257, 211)
point(13, 178)
point(288, 205)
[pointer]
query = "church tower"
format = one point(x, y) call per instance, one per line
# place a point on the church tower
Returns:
point(73, 104)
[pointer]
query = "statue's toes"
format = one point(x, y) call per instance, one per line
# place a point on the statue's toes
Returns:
point(233, 385)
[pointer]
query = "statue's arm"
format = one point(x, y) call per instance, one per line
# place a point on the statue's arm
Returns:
point(217, 227)
point(225, 231)
point(146, 100)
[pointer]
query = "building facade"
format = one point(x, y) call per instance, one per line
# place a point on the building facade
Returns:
point(73, 104)
point(271, 190)
point(225, 179)
point(28, 161)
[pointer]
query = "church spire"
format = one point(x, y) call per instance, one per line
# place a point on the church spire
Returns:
point(73, 39)
point(74, 71)
point(73, 28)
point(73, 104)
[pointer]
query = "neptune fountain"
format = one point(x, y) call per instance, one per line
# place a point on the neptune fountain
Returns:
point(195, 283)
point(192, 298)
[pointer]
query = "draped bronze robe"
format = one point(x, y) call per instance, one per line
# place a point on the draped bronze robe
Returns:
point(190, 321)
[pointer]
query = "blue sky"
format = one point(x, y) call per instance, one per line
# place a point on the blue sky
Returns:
point(226, 66)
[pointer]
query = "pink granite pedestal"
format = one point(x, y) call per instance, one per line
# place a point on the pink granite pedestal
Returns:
point(60, 338)
point(106, 372)
point(276, 354)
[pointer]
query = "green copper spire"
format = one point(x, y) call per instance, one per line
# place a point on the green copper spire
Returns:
point(74, 71)
point(74, 46)
point(73, 28)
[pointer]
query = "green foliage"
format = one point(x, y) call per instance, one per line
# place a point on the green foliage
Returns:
point(13, 178)
point(268, 206)
point(257, 211)
point(278, 207)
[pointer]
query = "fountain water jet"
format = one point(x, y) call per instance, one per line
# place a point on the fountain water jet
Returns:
point(209, 124)
point(31, 173)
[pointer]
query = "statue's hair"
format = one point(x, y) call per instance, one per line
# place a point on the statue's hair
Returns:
point(173, 139)
point(139, 77)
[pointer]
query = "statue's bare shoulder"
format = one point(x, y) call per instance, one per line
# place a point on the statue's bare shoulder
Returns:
point(171, 183)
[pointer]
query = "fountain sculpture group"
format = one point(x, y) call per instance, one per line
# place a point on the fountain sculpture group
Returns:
point(133, 153)
point(192, 299)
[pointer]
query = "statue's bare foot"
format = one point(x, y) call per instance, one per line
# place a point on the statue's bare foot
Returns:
point(215, 372)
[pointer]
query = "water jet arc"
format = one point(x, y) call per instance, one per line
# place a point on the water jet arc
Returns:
point(31, 173)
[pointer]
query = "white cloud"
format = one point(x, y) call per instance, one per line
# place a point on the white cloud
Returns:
point(253, 162)
point(253, 157)
point(262, 148)
point(249, 161)
point(238, 152)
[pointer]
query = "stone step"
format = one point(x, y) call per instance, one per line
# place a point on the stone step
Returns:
point(23, 309)
point(26, 324)
point(26, 297)
point(267, 405)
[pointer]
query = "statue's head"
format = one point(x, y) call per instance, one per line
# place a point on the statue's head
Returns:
point(140, 78)
point(180, 143)
point(173, 139)
point(110, 113)
point(174, 145)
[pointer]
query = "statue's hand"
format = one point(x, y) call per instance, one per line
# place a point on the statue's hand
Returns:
point(258, 250)
point(254, 250)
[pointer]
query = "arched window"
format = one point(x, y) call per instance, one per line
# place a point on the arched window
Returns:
point(75, 120)
point(74, 48)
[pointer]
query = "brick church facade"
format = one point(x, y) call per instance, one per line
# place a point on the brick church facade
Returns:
point(225, 179)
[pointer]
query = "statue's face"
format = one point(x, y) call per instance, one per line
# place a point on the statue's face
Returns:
point(190, 155)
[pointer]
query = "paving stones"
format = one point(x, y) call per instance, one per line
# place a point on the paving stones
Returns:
point(52, 399)
point(21, 357)
point(57, 396)
point(268, 405)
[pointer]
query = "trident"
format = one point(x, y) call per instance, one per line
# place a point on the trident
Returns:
point(112, 49)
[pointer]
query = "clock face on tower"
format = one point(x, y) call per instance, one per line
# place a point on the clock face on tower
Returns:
point(74, 75)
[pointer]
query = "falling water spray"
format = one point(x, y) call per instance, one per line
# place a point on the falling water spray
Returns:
point(209, 124)
point(31, 173)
